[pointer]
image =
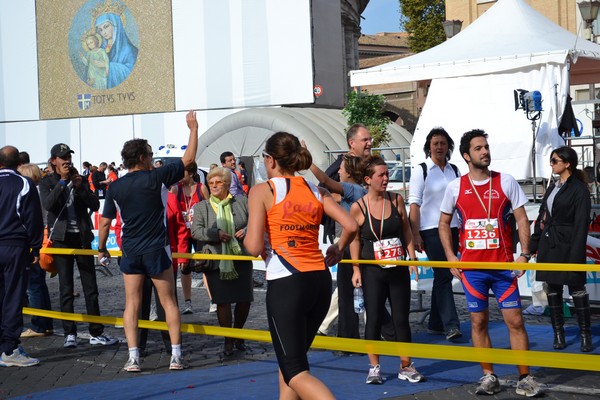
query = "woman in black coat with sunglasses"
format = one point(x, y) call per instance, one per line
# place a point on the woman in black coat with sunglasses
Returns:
point(560, 236)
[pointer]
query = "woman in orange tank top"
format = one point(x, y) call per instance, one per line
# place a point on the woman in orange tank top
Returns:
point(288, 210)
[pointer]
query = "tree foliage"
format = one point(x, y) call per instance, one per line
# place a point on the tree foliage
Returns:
point(367, 109)
point(422, 19)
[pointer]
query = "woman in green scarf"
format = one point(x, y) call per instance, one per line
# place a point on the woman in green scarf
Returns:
point(220, 223)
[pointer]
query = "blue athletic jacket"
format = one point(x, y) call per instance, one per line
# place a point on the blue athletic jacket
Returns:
point(21, 213)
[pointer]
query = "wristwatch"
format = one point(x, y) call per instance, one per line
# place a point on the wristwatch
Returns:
point(101, 250)
point(526, 255)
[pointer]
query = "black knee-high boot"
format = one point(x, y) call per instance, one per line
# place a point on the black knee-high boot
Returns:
point(584, 316)
point(555, 303)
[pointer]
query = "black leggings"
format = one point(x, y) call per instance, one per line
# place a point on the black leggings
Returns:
point(296, 307)
point(347, 318)
point(392, 284)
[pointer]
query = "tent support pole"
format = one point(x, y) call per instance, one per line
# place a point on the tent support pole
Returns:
point(533, 156)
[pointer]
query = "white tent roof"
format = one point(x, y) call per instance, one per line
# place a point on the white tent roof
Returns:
point(510, 35)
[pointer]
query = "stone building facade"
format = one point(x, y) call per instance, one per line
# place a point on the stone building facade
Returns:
point(350, 15)
point(561, 12)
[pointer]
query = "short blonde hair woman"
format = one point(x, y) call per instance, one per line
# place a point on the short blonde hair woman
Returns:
point(32, 171)
point(221, 222)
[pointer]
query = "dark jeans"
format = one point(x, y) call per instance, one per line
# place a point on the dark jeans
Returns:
point(443, 316)
point(87, 272)
point(39, 297)
point(14, 261)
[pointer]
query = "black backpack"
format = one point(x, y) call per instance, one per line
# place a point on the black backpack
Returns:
point(424, 166)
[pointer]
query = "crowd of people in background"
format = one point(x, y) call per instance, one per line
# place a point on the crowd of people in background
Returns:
point(450, 217)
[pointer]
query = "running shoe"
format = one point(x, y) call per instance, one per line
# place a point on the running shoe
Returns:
point(18, 358)
point(187, 308)
point(104, 340)
point(177, 363)
point(410, 374)
point(374, 377)
point(529, 387)
point(132, 365)
point(488, 384)
point(70, 342)
point(453, 333)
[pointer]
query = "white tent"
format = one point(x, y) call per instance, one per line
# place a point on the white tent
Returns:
point(474, 74)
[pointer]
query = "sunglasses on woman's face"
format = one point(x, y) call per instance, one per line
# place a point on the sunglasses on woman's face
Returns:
point(555, 161)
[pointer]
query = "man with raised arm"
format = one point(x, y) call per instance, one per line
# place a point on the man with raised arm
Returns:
point(140, 198)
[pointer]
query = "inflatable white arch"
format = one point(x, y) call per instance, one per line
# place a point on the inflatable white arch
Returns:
point(244, 134)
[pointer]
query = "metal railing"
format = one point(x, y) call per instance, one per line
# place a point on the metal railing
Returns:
point(401, 152)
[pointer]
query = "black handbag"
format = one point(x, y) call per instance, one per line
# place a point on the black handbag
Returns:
point(203, 266)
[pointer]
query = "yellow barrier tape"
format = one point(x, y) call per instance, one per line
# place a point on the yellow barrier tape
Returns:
point(444, 264)
point(585, 362)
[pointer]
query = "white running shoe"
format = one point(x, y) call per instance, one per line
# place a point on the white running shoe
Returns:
point(529, 387)
point(132, 365)
point(177, 363)
point(18, 358)
point(374, 377)
point(488, 384)
point(70, 342)
point(410, 374)
point(104, 340)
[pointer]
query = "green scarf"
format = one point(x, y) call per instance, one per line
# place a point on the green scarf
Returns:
point(225, 223)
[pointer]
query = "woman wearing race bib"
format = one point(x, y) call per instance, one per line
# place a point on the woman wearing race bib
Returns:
point(385, 234)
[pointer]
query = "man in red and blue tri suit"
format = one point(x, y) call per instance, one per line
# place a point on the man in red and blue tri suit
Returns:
point(485, 202)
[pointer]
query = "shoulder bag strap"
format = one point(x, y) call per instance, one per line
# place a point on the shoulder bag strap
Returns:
point(51, 230)
point(424, 166)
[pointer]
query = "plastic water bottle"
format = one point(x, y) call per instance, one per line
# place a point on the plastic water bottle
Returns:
point(359, 300)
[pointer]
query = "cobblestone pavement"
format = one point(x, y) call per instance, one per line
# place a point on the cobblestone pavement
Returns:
point(61, 367)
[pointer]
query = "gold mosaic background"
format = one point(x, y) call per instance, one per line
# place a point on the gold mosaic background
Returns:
point(151, 80)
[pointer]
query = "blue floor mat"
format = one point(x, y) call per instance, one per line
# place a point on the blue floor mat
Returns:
point(345, 376)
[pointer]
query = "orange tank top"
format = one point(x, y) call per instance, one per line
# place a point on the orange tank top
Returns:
point(292, 228)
